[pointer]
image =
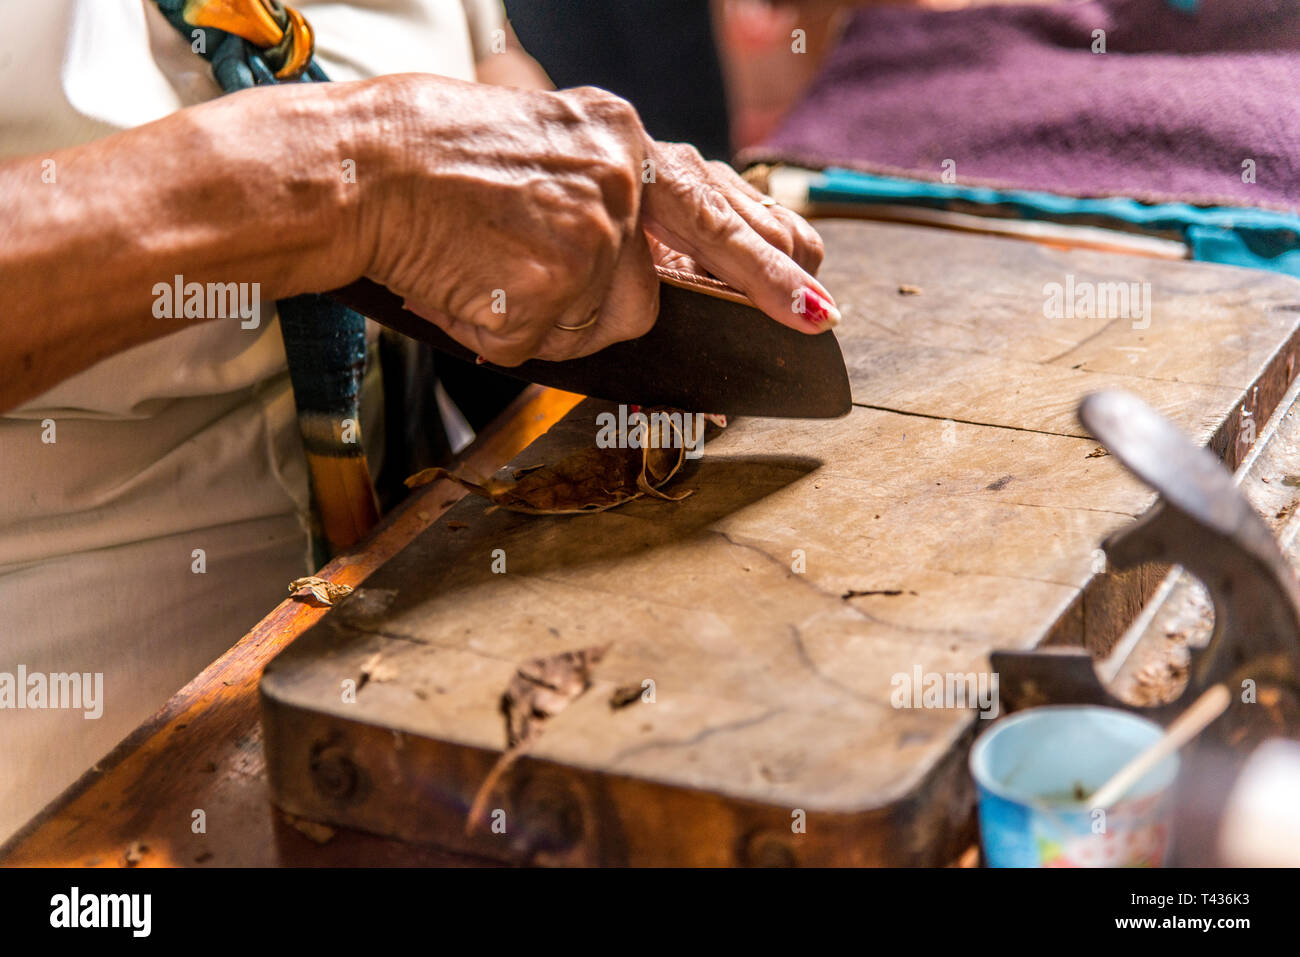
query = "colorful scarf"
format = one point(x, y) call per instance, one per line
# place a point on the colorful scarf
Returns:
point(255, 43)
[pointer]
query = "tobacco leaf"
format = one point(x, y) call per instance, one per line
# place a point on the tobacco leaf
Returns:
point(312, 830)
point(625, 695)
point(135, 853)
point(375, 668)
point(325, 592)
point(588, 480)
point(539, 690)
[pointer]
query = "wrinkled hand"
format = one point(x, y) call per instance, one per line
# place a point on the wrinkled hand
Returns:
point(502, 215)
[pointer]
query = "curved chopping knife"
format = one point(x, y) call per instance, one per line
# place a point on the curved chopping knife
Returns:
point(711, 350)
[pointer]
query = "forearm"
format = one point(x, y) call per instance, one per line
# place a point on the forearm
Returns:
point(513, 67)
point(465, 198)
point(249, 188)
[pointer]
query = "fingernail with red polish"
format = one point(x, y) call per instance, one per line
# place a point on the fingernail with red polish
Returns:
point(819, 309)
point(479, 360)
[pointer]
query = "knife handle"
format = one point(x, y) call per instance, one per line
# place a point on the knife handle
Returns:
point(385, 307)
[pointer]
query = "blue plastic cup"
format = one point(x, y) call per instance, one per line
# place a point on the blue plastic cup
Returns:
point(1033, 772)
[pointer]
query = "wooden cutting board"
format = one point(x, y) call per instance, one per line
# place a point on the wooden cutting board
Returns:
point(956, 510)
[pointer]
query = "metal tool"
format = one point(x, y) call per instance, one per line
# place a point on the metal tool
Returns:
point(711, 350)
point(1202, 522)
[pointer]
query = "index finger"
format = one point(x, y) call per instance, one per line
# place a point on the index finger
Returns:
point(683, 209)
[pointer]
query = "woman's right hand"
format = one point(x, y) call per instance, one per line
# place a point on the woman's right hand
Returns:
point(502, 215)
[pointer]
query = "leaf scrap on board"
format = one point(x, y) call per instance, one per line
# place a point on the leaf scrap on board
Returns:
point(592, 479)
point(539, 690)
point(325, 592)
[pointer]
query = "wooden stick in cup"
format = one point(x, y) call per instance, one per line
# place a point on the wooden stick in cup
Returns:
point(1188, 725)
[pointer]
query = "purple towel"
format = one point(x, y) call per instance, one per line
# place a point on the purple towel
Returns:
point(1016, 98)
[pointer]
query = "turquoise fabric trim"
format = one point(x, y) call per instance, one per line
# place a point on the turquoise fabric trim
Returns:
point(1237, 236)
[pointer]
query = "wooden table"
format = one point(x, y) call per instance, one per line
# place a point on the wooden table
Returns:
point(961, 474)
point(956, 510)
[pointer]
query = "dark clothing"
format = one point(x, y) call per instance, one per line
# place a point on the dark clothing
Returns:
point(658, 54)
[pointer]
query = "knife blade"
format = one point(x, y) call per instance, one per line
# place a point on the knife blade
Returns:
point(710, 350)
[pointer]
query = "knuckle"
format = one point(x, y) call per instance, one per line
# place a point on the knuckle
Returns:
point(715, 218)
point(672, 259)
point(587, 94)
point(479, 304)
point(606, 106)
point(587, 215)
point(545, 286)
point(501, 356)
point(687, 153)
point(774, 272)
point(812, 241)
point(583, 238)
point(807, 242)
point(779, 236)
point(491, 321)
point(618, 185)
point(511, 350)
point(724, 173)
point(603, 98)
point(681, 162)
point(813, 252)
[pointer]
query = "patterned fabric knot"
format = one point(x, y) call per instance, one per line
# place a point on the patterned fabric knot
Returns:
point(281, 35)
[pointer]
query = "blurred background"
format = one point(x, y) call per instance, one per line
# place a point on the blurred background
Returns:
point(695, 68)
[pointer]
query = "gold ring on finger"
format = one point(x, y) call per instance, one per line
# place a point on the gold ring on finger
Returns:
point(595, 314)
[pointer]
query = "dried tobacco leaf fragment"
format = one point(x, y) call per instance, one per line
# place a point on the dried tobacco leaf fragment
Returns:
point(375, 668)
point(312, 830)
point(543, 687)
point(625, 695)
point(540, 689)
point(325, 592)
point(589, 480)
point(135, 853)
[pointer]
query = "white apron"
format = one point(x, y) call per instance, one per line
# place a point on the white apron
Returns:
point(180, 454)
